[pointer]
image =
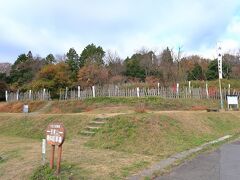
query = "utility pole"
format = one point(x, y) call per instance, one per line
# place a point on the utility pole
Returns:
point(220, 73)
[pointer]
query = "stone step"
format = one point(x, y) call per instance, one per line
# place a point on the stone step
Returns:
point(88, 133)
point(93, 127)
point(99, 119)
point(97, 122)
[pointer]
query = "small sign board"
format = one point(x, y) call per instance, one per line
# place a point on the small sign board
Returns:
point(25, 108)
point(232, 100)
point(55, 134)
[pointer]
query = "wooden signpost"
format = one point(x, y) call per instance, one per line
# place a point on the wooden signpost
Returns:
point(55, 135)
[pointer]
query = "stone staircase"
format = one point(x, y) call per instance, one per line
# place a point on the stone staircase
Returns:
point(93, 126)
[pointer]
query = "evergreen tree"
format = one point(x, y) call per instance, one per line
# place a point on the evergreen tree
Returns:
point(50, 59)
point(196, 73)
point(73, 62)
point(92, 54)
point(212, 72)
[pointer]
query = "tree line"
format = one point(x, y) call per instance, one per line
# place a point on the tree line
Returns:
point(94, 66)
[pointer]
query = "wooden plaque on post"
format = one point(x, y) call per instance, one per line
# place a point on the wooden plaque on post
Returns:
point(55, 134)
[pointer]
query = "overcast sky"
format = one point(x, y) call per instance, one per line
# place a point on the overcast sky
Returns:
point(124, 26)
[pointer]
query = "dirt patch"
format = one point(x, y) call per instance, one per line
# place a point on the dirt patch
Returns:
point(17, 107)
point(198, 108)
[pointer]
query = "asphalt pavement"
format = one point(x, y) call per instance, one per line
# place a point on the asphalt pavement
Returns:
point(222, 164)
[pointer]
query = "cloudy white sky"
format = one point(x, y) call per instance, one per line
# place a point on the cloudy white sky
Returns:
point(124, 26)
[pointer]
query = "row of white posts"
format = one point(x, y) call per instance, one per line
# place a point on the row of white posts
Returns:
point(138, 90)
point(94, 91)
point(17, 94)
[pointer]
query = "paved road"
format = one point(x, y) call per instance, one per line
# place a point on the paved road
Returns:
point(222, 164)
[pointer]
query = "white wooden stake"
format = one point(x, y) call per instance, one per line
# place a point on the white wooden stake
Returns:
point(30, 94)
point(17, 94)
point(79, 95)
point(43, 151)
point(138, 92)
point(189, 87)
point(229, 89)
point(6, 96)
point(177, 88)
point(207, 90)
point(44, 91)
point(93, 91)
point(66, 93)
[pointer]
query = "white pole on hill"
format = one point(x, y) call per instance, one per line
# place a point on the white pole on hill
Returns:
point(219, 51)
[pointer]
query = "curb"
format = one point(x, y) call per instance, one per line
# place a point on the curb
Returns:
point(169, 161)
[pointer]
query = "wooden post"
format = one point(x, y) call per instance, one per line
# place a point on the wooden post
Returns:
point(59, 158)
point(189, 87)
point(52, 157)
point(93, 91)
point(207, 91)
point(6, 96)
point(30, 94)
point(66, 93)
point(43, 151)
point(79, 89)
point(44, 91)
point(17, 95)
point(177, 89)
point(229, 89)
point(138, 92)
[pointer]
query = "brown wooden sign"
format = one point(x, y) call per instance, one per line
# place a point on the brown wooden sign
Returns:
point(55, 134)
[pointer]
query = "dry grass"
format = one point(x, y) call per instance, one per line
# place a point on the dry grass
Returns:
point(140, 108)
point(90, 163)
point(126, 144)
point(17, 107)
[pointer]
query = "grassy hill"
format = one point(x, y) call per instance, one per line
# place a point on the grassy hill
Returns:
point(124, 145)
point(114, 104)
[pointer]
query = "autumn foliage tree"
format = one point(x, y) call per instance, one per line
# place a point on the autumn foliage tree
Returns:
point(53, 77)
point(92, 74)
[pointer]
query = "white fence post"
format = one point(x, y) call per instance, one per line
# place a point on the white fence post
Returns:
point(6, 96)
point(93, 91)
point(79, 89)
point(158, 88)
point(43, 151)
point(17, 95)
point(207, 91)
point(189, 87)
point(138, 92)
point(66, 93)
point(177, 88)
point(30, 94)
point(44, 91)
point(229, 89)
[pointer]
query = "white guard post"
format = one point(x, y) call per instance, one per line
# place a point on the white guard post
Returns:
point(6, 96)
point(93, 91)
point(79, 95)
point(43, 151)
point(138, 92)
point(177, 88)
